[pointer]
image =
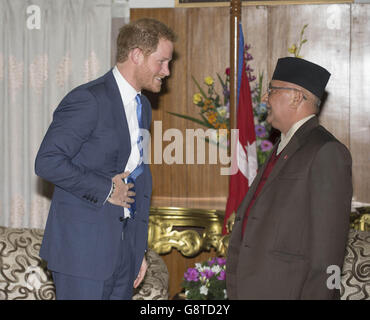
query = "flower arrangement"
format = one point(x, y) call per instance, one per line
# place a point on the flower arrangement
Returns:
point(215, 112)
point(206, 281)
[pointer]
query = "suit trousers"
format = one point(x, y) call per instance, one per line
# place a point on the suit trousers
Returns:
point(119, 286)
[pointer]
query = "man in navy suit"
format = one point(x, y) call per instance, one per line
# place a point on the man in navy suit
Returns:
point(96, 233)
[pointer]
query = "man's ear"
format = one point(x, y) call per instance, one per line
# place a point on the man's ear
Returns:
point(136, 55)
point(297, 98)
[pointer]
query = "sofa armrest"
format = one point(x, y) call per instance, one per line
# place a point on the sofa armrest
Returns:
point(355, 279)
point(155, 283)
point(23, 274)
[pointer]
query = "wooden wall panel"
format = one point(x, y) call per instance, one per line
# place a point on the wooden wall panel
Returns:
point(359, 98)
point(255, 30)
point(208, 52)
point(202, 50)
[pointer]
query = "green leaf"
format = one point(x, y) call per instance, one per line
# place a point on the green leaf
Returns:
point(199, 88)
point(206, 124)
point(260, 83)
point(222, 82)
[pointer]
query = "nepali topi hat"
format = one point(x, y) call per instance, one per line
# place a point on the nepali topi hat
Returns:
point(303, 73)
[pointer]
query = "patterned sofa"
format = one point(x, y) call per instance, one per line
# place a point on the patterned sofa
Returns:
point(355, 279)
point(24, 276)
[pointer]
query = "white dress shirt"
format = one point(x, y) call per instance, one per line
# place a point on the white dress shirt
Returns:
point(285, 138)
point(128, 94)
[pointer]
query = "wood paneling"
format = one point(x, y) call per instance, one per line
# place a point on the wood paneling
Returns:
point(359, 101)
point(198, 52)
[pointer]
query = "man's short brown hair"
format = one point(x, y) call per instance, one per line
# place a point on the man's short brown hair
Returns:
point(144, 34)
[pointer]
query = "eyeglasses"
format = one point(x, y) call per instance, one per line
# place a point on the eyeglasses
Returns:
point(270, 88)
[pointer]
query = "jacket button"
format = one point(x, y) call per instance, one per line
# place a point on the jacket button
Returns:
point(121, 219)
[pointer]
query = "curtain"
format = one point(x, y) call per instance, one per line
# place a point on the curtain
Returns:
point(47, 47)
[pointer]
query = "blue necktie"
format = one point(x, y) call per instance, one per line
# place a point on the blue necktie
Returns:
point(140, 168)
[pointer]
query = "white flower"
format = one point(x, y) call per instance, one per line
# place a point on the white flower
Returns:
point(203, 290)
point(216, 268)
point(222, 111)
point(199, 267)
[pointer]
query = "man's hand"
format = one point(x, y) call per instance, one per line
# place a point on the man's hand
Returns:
point(121, 193)
point(142, 271)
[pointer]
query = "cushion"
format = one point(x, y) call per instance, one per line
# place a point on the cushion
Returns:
point(355, 281)
point(23, 274)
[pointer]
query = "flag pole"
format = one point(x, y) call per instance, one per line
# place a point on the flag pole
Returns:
point(235, 18)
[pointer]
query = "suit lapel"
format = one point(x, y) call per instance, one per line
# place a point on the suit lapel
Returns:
point(121, 121)
point(292, 147)
point(252, 190)
point(294, 144)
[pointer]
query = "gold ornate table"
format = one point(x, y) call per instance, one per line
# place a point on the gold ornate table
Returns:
point(190, 231)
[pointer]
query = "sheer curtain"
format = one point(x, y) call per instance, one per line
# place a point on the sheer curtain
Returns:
point(47, 47)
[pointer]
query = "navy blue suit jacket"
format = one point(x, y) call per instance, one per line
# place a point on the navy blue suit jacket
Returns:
point(87, 143)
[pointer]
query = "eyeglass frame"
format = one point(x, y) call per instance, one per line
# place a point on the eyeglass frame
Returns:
point(270, 87)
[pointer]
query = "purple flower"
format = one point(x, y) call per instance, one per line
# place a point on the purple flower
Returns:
point(260, 131)
point(266, 145)
point(207, 274)
point(222, 275)
point(211, 261)
point(226, 92)
point(191, 275)
point(221, 261)
point(249, 57)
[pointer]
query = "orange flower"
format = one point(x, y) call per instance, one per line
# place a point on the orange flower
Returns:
point(212, 117)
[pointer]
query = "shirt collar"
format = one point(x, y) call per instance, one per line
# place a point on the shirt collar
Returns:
point(285, 138)
point(128, 93)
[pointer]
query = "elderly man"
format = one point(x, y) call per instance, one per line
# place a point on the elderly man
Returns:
point(291, 229)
